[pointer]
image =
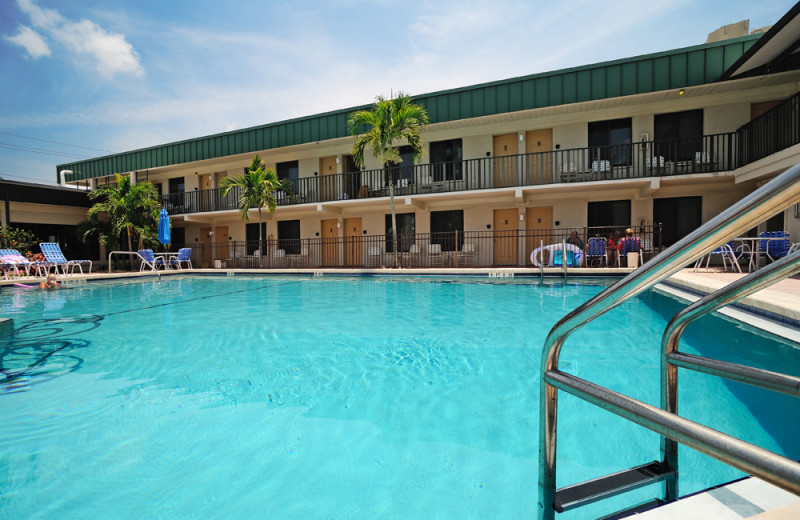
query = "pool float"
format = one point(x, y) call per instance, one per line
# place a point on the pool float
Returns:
point(24, 286)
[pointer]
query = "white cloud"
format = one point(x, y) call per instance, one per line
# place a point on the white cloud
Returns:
point(40, 17)
point(109, 52)
point(31, 41)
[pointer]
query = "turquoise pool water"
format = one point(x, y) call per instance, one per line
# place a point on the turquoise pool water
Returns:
point(306, 398)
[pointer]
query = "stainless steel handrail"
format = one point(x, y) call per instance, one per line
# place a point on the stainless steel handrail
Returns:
point(672, 359)
point(771, 198)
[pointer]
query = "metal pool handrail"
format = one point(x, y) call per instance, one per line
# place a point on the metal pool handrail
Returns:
point(771, 198)
point(777, 467)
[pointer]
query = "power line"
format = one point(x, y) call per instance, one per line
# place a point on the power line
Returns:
point(4, 175)
point(56, 142)
point(42, 151)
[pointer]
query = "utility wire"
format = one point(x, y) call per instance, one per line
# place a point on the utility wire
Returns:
point(42, 151)
point(55, 142)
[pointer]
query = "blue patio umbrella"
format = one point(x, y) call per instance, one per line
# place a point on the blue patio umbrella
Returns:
point(163, 227)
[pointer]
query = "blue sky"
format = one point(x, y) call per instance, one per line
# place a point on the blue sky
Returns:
point(84, 79)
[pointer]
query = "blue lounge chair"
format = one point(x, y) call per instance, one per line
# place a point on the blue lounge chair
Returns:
point(12, 260)
point(596, 250)
point(52, 253)
point(728, 254)
point(774, 244)
point(149, 260)
point(184, 256)
point(628, 245)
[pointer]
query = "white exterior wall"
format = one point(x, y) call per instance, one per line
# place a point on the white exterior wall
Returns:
point(725, 118)
point(571, 136)
point(46, 214)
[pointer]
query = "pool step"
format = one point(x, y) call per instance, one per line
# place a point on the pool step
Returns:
point(593, 490)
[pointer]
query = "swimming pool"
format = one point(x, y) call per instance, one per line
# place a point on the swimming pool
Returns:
point(283, 397)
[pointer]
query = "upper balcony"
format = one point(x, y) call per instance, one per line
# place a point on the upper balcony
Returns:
point(710, 153)
point(773, 131)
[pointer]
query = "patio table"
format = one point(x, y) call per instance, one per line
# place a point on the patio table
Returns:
point(750, 247)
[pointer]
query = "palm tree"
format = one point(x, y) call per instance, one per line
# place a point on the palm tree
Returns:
point(100, 230)
point(258, 188)
point(130, 208)
point(389, 121)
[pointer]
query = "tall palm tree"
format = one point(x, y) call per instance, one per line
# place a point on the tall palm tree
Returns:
point(257, 188)
point(130, 208)
point(390, 121)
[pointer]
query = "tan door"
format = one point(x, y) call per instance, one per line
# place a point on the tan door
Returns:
point(352, 242)
point(506, 224)
point(218, 178)
point(327, 178)
point(330, 243)
point(205, 244)
point(504, 166)
point(539, 151)
point(539, 226)
point(205, 182)
point(220, 201)
point(221, 244)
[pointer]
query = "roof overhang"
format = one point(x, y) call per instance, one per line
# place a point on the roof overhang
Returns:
point(772, 49)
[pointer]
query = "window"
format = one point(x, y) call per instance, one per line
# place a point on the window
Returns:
point(611, 141)
point(446, 160)
point(67, 238)
point(178, 238)
point(607, 216)
point(289, 236)
point(176, 190)
point(176, 185)
point(406, 231)
point(405, 169)
point(679, 135)
point(447, 229)
point(678, 217)
point(251, 236)
point(288, 170)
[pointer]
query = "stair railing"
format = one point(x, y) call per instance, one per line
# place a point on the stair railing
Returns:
point(771, 198)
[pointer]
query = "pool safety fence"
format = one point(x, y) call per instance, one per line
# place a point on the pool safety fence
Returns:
point(452, 249)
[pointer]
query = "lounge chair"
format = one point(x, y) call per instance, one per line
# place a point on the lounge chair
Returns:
point(727, 253)
point(12, 260)
point(53, 255)
point(774, 244)
point(413, 255)
point(467, 254)
point(628, 245)
point(596, 250)
point(149, 260)
point(435, 254)
point(374, 256)
point(184, 256)
point(279, 257)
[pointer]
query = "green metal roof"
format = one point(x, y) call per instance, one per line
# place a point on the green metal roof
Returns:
point(678, 68)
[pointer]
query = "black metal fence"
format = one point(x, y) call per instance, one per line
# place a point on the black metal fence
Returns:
point(710, 153)
point(771, 132)
point(424, 250)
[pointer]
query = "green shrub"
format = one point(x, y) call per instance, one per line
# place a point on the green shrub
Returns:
point(20, 239)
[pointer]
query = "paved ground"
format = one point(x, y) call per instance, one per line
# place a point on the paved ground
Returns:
point(781, 298)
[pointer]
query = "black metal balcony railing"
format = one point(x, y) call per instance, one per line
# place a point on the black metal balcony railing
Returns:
point(771, 132)
point(711, 153)
point(453, 249)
